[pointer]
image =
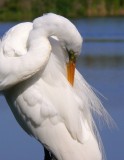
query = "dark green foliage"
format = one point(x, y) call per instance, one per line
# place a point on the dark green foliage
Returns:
point(18, 10)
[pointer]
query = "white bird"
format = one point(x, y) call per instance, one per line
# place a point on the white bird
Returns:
point(33, 79)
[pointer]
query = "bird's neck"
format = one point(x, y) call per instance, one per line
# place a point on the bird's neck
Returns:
point(62, 28)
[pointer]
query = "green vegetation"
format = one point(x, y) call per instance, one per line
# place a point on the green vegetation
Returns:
point(18, 10)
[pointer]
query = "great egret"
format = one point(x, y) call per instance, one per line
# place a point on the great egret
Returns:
point(33, 79)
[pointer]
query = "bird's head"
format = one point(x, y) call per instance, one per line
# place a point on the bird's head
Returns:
point(70, 39)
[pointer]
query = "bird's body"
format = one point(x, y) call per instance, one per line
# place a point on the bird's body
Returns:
point(42, 100)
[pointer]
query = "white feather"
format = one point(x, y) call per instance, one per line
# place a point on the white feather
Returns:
point(42, 100)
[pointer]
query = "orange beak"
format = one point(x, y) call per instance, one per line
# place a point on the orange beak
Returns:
point(71, 72)
point(71, 68)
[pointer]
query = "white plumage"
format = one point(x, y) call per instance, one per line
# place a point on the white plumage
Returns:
point(33, 79)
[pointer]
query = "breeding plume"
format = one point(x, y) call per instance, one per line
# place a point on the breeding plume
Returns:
point(47, 95)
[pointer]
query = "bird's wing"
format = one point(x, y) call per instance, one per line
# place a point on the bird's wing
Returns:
point(14, 41)
point(15, 68)
point(35, 106)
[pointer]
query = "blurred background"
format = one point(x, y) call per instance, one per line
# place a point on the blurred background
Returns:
point(101, 24)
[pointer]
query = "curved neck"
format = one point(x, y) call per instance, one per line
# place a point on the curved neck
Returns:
point(16, 69)
point(55, 25)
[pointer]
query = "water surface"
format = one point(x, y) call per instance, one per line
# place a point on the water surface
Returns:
point(102, 37)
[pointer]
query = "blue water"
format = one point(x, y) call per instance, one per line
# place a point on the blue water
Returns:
point(16, 144)
point(102, 29)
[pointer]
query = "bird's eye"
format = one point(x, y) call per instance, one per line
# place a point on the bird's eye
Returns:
point(72, 56)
